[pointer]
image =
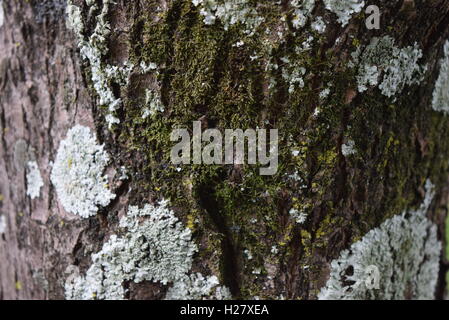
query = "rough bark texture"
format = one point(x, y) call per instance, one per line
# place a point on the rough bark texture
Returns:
point(46, 89)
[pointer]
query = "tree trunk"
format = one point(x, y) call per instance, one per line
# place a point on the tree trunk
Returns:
point(356, 143)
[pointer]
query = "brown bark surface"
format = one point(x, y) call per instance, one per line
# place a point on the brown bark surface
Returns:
point(40, 79)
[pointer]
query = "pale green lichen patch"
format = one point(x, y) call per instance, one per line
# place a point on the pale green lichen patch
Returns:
point(2, 14)
point(155, 247)
point(153, 103)
point(34, 180)
point(197, 287)
point(390, 68)
point(406, 252)
point(3, 224)
point(78, 173)
point(74, 19)
point(344, 9)
point(247, 13)
point(348, 148)
point(93, 49)
point(298, 216)
point(293, 74)
point(440, 100)
point(302, 12)
point(230, 12)
point(319, 25)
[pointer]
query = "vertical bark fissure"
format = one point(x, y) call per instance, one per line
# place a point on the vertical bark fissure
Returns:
point(229, 261)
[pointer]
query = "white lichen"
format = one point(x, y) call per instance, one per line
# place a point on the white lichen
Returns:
point(156, 247)
point(302, 12)
point(34, 180)
point(402, 70)
point(150, 67)
point(292, 72)
point(257, 271)
point(306, 45)
point(74, 20)
point(325, 93)
point(292, 66)
point(2, 14)
point(390, 68)
point(93, 49)
point(123, 173)
point(369, 76)
point(248, 254)
point(440, 101)
point(78, 173)
point(319, 25)
point(406, 252)
point(300, 217)
point(230, 12)
point(198, 287)
point(295, 78)
point(348, 148)
point(296, 177)
point(153, 104)
point(3, 224)
point(344, 9)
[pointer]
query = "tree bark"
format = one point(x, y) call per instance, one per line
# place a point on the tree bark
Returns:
point(241, 221)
